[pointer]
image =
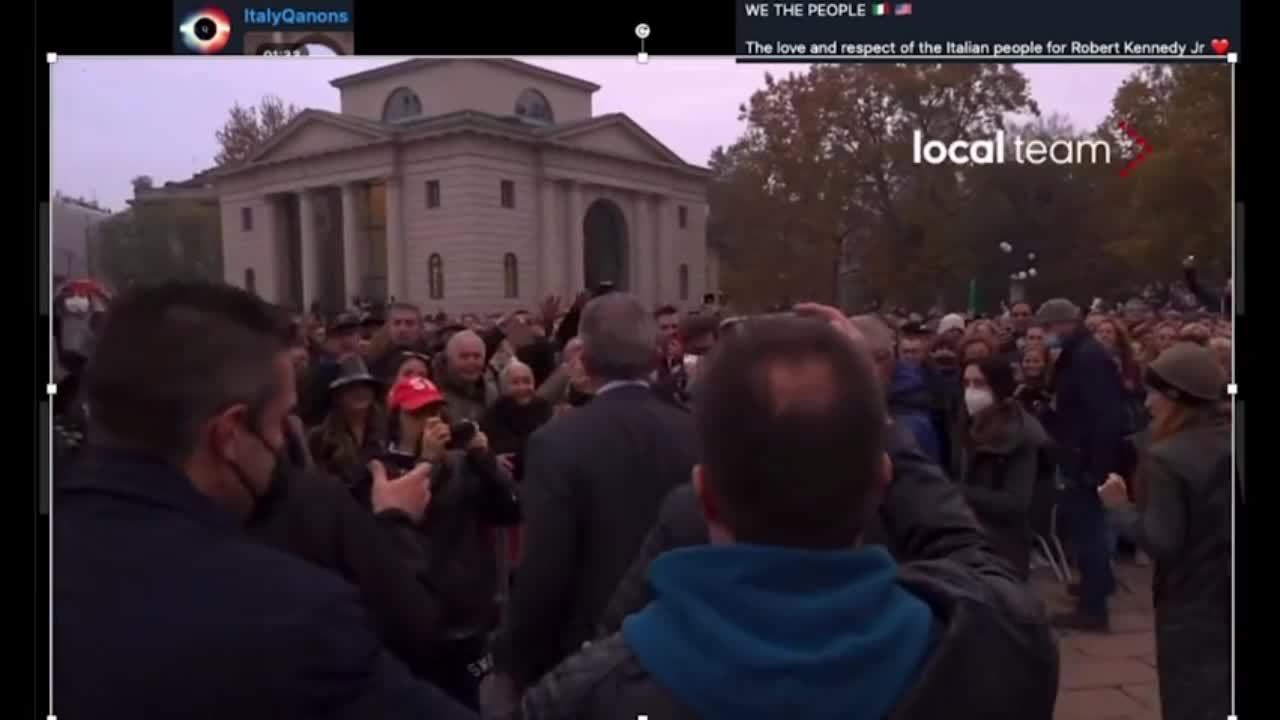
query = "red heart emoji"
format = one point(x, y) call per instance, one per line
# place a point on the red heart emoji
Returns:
point(1220, 45)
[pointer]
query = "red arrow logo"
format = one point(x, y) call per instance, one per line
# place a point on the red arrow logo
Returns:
point(1143, 152)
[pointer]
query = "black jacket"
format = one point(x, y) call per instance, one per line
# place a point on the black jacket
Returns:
point(166, 608)
point(1185, 525)
point(315, 518)
point(1088, 421)
point(999, 476)
point(594, 480)
point(509, 426)
point(994, 656)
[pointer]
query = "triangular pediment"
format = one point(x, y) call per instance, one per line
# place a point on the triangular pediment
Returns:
point(616, 134)
point(314, 132)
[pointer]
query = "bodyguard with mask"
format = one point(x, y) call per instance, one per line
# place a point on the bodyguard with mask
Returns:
point(1087, 422)
point(165, 606)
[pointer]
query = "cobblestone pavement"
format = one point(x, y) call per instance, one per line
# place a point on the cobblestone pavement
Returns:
point(1108, 676)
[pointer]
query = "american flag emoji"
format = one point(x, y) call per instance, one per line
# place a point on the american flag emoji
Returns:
point(902, 9)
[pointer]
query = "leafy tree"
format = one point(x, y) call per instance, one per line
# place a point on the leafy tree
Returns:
point(161, 240)
point(830, 151)
point(1177, 202)
point(248, 127)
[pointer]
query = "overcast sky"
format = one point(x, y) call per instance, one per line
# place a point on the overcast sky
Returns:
point(116, 118)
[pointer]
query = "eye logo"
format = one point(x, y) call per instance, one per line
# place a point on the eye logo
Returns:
point(205, 31)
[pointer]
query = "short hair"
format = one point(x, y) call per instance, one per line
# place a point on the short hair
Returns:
point(791, 466)
point(876, 333)
point(457, 339)
point(665, 310)
point(515, 364)
point(699, 326)
point(402, 306)
point(618, 337)
point(171, 356)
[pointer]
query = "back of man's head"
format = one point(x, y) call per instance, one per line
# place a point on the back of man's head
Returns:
point(792, 425)
point(618, 336)
point(170, 357)
point(879, 342)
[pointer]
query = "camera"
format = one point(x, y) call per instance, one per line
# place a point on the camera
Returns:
point(462, 433)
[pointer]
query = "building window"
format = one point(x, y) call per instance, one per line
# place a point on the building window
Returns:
point(533, 105)
point(510, 276)
point(246, 219)
point(684, 282)
point(402, 104)
point(684, 217)
point(433, 193)
point(508, 194)
point(250, 281)
point(435, 277)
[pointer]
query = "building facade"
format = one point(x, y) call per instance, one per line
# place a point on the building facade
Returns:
point(464, 186)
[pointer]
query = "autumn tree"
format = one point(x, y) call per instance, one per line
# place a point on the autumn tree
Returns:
point(161, 240)
point(827, 154)
point(1178, 201)
point(248, 127)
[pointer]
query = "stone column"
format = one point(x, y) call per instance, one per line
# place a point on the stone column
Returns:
point(641, 237)
point(268, 276)
point(309, 249)
point(664, 262)
point(396, 255)
point(548, 239)
point(351, 265)
point(577, 271)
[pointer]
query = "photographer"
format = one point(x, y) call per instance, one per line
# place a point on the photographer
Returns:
point(469, 494)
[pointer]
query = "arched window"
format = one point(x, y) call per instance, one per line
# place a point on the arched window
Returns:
point(510, 276)
point(402, 104)
point(684, 282)
point(250, 281)
point(435, 277)
point(533, 105)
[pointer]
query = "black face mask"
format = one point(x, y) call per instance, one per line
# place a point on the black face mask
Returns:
point(262, 501)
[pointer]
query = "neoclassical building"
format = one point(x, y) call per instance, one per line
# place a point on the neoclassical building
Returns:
point(466, 186)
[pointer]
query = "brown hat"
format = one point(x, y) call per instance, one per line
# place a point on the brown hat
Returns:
point(1190, 370)
point(1057, 310)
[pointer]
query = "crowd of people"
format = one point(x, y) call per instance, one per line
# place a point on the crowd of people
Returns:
point(601, 510)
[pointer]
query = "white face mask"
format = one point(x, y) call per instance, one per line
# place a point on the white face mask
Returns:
point(977, 399)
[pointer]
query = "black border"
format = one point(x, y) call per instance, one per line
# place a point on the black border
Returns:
point(36, 524)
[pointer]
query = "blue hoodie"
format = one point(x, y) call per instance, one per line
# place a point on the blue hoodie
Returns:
point(911, 405)
point(750, 632)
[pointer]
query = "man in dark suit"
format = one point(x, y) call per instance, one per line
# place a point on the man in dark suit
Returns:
point(594, 481)
point(164, 606)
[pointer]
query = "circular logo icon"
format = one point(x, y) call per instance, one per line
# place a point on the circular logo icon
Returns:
point(205, 31)
point(642, 31)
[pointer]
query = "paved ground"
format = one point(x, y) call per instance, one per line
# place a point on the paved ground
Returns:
point(1112, 676)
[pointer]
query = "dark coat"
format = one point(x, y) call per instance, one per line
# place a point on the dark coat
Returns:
point(1185, 525)
point(594, 480)
point(1088, 421)
point(315, 518)
point(994, 652)
point(915, 405)
point(167, 609)
point(999, 476)
point(509, 426)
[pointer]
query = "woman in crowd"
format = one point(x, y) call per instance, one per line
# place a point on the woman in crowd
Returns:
point(996, 458)
point(353, 431)
point(1166, 334)
point(1196, 332)
point(1113, 336)
point(470, 494)
point(514, 417)
point(1037, 371)
point(508, 425)
point(1182, 519)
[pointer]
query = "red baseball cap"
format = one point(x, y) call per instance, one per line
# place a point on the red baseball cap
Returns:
point(413, 394)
